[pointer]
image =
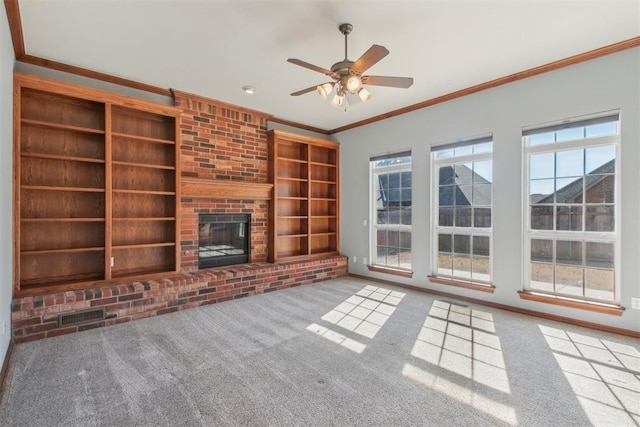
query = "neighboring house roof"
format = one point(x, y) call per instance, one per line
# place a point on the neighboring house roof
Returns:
point(574, 189)
point(463, 177)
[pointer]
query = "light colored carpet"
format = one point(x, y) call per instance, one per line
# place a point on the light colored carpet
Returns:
point(337, 353)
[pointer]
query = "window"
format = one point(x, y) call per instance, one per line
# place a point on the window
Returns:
point(571, 204)
point(462, 189)
point(391, 210)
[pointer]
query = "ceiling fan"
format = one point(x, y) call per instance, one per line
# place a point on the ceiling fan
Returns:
point(348, 78)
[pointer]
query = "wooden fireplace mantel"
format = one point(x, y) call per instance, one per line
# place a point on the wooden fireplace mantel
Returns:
point(215, 188)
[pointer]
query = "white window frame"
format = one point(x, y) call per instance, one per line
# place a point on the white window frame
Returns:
point(470, 231)
point(373, 212)
point(585, 236)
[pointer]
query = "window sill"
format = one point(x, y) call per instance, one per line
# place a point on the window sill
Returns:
point(390, 270)
point(613, 309)
point(462, 284)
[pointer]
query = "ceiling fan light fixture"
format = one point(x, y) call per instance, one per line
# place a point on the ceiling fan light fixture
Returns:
point(324, 90)
point(364, 94)
point(338, 100)
point(353, 83)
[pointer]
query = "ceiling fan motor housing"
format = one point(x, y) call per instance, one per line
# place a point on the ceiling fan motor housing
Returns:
point(345, 28)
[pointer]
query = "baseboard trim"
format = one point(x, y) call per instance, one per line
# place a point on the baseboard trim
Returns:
point(569, 320)
point(5, 367)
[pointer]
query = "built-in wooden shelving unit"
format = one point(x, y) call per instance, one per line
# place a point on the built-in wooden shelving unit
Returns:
point(304, 217)
point(96, 186)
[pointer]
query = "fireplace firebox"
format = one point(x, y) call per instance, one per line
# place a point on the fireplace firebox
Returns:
point(223, 239)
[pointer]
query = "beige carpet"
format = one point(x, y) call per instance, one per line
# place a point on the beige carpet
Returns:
point(337, 353)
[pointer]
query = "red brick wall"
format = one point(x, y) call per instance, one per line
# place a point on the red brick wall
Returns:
point(221, 142)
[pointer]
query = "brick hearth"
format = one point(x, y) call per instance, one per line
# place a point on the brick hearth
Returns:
point(37, 317)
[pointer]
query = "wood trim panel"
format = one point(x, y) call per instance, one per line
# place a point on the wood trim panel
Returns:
point(108, 182)
point(568, 320)
point(304, 139)
point(17, 138)
point(299, 125)
point(576, 59)
point(83, 92)
point(15, 27)
point(5, 366)
point(199, 187)
point(616, 310)
point(84, 72)
point(461, 284)
point(392, 271)
point(178, 190)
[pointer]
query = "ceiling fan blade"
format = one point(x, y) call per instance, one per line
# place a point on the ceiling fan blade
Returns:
point(310, 66)
point(401, 82)
point(303, 91)
point(369, 58)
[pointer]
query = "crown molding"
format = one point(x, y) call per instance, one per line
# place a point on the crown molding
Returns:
point(84, 72)
point(299, 125)
point(15, 27)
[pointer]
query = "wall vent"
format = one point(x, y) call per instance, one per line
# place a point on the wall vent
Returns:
point(80, 317)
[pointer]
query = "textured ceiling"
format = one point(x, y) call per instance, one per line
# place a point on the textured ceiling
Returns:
point(213, 48)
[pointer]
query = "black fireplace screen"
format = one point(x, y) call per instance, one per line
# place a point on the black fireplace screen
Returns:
point(223, 240)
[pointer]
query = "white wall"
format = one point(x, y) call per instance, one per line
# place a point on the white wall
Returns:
point(607, 83)
point(7, 61)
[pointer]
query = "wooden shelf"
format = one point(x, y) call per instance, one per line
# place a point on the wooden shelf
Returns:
point(93, 171)
point(322, 164)
point(140, 272)
point(291, 198)
point(157, 193)
point(44, 220)
point(73, 189)
point(144, 245)
point(303, 220)
point(30, 287)
point(142, 138)
point(159, 218)
point(62, 251)
point(284, 178)
point(143, 165)
point(51, 125)
point(61, 157)
point(323, 250)
point(287, 159)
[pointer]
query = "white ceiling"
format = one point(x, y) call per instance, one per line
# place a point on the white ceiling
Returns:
point(213, 48)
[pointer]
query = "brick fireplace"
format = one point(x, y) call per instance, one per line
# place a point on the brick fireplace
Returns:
point(223, 148)
point(223, 171)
